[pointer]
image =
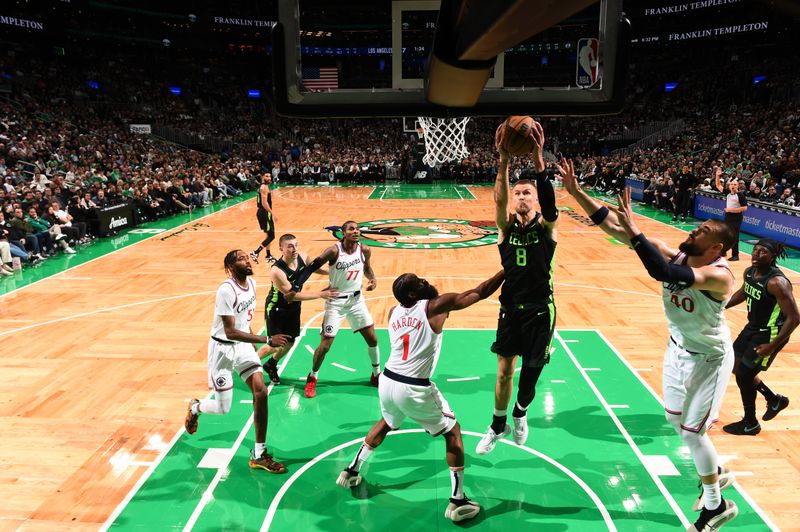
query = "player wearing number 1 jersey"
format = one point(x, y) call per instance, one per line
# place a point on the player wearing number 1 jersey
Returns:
point(349, 262)
point(405, 388)
point(696, 285)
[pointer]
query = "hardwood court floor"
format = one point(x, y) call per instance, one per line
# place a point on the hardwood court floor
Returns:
point(97, 382)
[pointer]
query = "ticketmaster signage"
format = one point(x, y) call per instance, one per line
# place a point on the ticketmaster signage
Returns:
point(781, 226)
point(689, 6)
point(142, 129)
point(21, 23)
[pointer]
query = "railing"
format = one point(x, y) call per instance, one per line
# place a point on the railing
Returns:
point(668, 132)
point(639, 132)
point(191, 140)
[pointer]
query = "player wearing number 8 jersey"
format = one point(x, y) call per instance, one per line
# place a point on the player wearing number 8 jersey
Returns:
point(696, 284)
point(349, 262)
point(527, 243)
point(405, 389)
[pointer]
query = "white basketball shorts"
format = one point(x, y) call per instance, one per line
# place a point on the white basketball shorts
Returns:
point(225, 358)
point(423, 404)
point(352, 308)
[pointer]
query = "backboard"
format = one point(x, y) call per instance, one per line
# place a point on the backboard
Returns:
point(360, 58)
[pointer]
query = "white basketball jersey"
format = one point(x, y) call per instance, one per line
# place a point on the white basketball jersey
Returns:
point(232, 300)
point(415, 347)
point(346, 273)
point(697, 320)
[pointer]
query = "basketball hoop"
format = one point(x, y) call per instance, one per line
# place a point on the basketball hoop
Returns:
point(444, 139)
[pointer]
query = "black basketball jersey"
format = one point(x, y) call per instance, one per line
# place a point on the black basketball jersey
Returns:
point(260, 203)
point(275, 297)
point(763, 310)
point(527, 253)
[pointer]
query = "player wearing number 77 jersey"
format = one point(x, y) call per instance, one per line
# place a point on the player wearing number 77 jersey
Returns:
point(696, 285)
point(405, 389)
point(349, 263)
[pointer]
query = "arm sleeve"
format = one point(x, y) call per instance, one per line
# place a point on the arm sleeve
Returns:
point(658, 268)
point(547, 197)
point(315, 265)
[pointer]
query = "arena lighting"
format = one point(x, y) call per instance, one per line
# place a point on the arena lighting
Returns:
point(758, 79)
point(669, 87)
point(93, 84)
point(175, 90)
point(254, 93)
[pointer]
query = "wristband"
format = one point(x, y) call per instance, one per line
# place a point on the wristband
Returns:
point(599, 215)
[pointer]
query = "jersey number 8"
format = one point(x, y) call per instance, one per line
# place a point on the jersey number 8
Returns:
point(522, 257)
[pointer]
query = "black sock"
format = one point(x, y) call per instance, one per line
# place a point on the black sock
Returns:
point(271, 362)
point(745, 379)
point(269, 253)
point(498, 424)
point(518, 412)
point(768, 394)
point(258, 250)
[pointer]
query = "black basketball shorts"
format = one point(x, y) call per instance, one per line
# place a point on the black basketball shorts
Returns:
point(265, 220)
point(284, 320)
point(527, 332)
point(744, 348)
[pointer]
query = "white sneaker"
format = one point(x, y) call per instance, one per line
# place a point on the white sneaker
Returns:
point(69, 250)
point(349, 479)
point(461, 509)
point(5, 272)
point(489, 440)
point(520, 429)
point(726, 480)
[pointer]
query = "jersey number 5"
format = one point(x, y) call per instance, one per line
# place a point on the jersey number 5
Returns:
point(352, 275)
point(406, 338)
point(686, 303)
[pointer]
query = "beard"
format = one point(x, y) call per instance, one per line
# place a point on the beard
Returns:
point(690, 248)
point(428, 292)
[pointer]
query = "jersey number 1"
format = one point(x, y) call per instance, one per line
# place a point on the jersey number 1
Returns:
point(522, 257)
point(406, 338)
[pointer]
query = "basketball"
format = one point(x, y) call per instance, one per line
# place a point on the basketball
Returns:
point(516, 135)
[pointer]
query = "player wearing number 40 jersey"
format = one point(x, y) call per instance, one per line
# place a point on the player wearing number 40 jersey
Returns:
point(405, 389)
point(349, 263)
point(696, 284)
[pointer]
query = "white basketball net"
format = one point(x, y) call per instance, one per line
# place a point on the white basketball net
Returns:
point(444, 139)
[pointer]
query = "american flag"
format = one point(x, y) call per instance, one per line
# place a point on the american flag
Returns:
point(321, 78)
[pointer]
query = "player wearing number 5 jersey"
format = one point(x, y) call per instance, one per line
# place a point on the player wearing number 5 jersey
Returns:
point(405, 389)
point(527, 319)
point(230, 348)
point(349, 262)
point(696, 285)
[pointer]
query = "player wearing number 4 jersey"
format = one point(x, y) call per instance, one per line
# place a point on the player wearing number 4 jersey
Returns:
point(349, 263)
point(230, 348)
point(405, 389)
point(696, 284)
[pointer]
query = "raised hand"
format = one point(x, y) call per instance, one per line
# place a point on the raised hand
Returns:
point(566, 172)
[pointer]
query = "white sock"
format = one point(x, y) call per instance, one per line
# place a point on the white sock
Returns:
point(195, 408)
point(457, 482)
point(712, 497)
point(375, 357)
point(260, 448)
point(221, 404)
point(361, 457)
point(313, 373)
point(501, 413)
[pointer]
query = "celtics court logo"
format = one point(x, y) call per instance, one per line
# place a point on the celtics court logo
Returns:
point(425, 233)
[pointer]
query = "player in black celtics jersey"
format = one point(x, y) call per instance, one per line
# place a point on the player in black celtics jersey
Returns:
point(282, 309)
point(266, 221)
point(527, 313)
point(771, 317)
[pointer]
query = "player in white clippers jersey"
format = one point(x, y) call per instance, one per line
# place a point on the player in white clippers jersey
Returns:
point(405, 389)
point(231, 348)
point(699, 356)
point(349, 263)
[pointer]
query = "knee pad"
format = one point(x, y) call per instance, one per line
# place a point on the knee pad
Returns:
point(224, 400)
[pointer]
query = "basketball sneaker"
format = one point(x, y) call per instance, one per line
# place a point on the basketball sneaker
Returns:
point(270, 259)
point(742, 428)
point(780, 402)
point(191, 418)
point(461, 509)
point(373, 379)
point(726, 480)
point(520, 433)
point(253, 256)
point(489, 440)
point(711, 520)
point(271, 369)
point(349, 478)
point(311, 386)
point(266, 463)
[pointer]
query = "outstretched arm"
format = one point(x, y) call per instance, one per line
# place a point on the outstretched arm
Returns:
point(738, 297)
point(453, 301)
point(234, 334)
point(501, 193)
point(281, 282)
point(327, 257)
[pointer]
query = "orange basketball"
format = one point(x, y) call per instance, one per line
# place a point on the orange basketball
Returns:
point(516, 135)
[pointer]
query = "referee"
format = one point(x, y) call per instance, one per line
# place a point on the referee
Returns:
point(735, 205)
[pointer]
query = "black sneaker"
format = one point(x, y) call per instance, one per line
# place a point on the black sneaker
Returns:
point(780, 402)
point(271, 369)
point(711, 520)
point(461, 509)
point(742, 428)
point(733, 259)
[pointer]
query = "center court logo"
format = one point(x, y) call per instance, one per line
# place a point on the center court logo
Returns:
point(425, 233)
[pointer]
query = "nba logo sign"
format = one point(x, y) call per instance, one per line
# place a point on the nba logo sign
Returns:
point(588, 67)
